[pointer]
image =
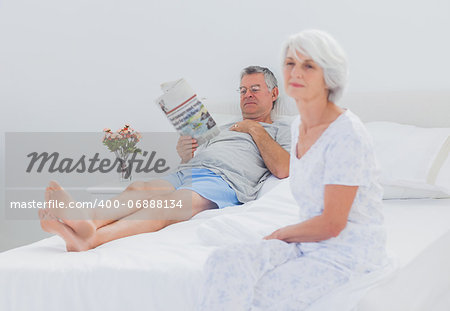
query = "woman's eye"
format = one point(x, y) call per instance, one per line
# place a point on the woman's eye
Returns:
point(308, 66)
point(289, 64)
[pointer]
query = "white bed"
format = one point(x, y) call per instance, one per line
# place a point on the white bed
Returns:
point(166, 270)
point(419, 238)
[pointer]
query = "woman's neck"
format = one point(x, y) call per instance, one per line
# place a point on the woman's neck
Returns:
point(317, 112)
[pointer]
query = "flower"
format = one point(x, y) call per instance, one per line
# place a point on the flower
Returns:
point(123, 142)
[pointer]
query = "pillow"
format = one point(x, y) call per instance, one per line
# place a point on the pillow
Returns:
point(227, 111)
point(414, 161)
point(270, 183)
point(222, 118)
point(397, 192)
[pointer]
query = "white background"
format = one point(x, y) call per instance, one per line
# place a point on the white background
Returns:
point(85, 65)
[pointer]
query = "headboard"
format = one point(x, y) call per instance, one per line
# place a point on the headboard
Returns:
point(420, 108)
point(424, 109)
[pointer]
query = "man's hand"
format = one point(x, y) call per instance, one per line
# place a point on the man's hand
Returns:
point(245, 126)
point(274, 156)
point(186, 147)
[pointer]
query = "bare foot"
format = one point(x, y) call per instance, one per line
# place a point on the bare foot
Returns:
point(80, 222)
point(74, 243)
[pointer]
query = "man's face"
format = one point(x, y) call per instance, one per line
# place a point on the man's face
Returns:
point(256, 99)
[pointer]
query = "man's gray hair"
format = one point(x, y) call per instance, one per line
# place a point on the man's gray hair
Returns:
point(327, 53)
point(269, 77)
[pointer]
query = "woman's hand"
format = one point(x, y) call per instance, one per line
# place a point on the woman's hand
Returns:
point(337, 204)
point(186, 147)
point(282, 233)
point(274, 235)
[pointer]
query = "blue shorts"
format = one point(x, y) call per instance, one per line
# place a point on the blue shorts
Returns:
point(206, 183)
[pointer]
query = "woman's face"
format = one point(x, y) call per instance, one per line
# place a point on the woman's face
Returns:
point(303, 78)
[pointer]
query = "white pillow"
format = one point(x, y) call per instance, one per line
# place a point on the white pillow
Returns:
point(271, 182)
point(397, 192)
point(222, 118)
point(414, 161)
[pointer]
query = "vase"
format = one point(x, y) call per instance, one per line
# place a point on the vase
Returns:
point(124, 171)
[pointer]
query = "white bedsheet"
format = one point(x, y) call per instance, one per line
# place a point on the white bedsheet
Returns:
point(154, 271)
point(165, 270)
point(419, 237)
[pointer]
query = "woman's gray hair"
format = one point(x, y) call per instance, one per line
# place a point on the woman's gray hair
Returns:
point(269, 77)
point(327, 53)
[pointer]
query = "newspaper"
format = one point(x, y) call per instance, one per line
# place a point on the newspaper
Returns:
point(186, 112)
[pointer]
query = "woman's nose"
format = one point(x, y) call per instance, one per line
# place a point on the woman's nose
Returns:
point(296, 72)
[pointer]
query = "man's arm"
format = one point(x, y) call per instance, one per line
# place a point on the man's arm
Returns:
point(274, 156)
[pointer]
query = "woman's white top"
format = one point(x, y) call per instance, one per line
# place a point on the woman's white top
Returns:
point(342, 155)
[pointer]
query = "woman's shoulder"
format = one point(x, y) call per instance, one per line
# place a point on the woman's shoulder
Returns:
point(351, 129)
point(350, 124)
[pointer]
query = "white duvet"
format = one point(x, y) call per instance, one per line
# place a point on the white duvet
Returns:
point(154, 271)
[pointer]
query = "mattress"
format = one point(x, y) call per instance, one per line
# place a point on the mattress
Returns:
point(165, 270)
point(419, 240)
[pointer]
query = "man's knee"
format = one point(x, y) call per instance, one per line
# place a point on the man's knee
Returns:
point(156, 186)
point(136, 185)
point(192, 203)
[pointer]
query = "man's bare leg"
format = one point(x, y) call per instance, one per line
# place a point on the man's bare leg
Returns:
point(85, 222)
point(137, 191)
point(148, 221)
point(142, 221)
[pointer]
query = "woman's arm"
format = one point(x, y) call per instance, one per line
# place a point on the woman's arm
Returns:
point(338, 200)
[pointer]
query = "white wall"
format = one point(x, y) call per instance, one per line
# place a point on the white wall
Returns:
point(85, 65)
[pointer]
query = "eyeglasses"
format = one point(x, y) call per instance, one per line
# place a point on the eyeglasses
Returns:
point(254, 89)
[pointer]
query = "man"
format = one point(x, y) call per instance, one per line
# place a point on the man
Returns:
point(228, 170)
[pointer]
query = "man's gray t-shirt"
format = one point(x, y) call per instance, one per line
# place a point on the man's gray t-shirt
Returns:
point(235, 157)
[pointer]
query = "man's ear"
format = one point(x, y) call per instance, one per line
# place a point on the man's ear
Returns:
point(275, 93)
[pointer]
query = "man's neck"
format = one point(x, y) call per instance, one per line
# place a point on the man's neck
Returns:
point(264, 119)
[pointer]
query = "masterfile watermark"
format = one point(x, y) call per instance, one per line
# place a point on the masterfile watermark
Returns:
point(91, 173)
point(96, 163)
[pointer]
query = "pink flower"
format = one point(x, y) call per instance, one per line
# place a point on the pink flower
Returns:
point(127, 137)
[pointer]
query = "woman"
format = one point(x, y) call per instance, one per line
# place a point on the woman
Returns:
point(333, 178)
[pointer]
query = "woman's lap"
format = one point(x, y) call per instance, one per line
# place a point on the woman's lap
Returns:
point(297, 283)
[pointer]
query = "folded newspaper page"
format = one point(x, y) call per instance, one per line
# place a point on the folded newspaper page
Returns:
point(186, 112)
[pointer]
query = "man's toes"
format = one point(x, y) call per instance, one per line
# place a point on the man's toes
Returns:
point(41, 214)
point(48, 193)
point(44, 214)
point(54, 185)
